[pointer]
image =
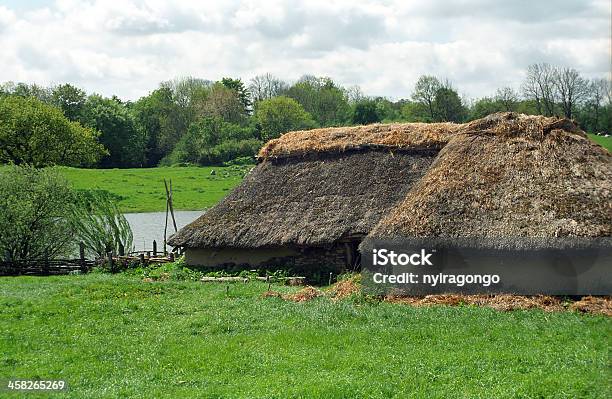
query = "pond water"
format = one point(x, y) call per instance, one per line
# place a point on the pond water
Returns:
point(149, 226)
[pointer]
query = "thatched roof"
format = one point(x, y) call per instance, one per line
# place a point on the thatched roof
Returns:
point(395, 136)
point(506, 174)
point(510, 175)
point(310, 201)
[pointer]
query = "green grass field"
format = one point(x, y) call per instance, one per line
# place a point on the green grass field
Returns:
point(115, 336)
point(605, 142)
point(142, 190)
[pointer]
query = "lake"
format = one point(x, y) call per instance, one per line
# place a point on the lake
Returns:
point(149, 226)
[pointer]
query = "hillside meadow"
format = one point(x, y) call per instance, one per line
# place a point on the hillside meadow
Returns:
point(142, 189)
point(114, 336)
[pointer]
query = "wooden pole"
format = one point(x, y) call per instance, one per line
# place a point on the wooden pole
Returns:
point(349, 254)
point(46, 267)
point(82, 257)
point(166, 225)
point(154, 249)
point(141, 258)
point(172, 207)
point(111, 262)
point(121, 249)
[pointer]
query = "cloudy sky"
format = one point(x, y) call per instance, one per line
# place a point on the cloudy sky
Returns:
point(128, 47)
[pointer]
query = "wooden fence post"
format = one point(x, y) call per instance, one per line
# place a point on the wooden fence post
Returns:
point(121, 249)
point(82, 257)
point(46, 267)
point(141, 259)
point(111, 263)
point(171, 256)
point(154, 249)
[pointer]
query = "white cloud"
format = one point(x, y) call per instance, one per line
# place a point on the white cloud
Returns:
point(127, 48)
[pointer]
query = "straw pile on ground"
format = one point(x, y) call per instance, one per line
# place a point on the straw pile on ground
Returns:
point(591, 304)
point(349, 287)
point(305, 294)
point(498, 302)
point(345, 288)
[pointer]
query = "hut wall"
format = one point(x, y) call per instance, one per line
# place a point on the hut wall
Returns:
point(333, 258)
point(236, 256)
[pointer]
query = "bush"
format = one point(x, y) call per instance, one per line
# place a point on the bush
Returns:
point(365, 112)
point(35, 205)
point(212, 141)
point(98, 223)
point(176, 270)
point(279, 115)
point(240, 161)
point(229, 150)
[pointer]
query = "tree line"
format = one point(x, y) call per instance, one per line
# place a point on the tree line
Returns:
point(197, 121)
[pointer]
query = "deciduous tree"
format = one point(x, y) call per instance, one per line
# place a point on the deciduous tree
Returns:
point(34, 133)
point(70, 100)
point(281, 114)
point(425, 91)
point(34, 213)
point(266, 86)
point(448, 106)
point(119, 132)
point(365, 112)
point(507, 98)
point(571, 89)
point(539, 86)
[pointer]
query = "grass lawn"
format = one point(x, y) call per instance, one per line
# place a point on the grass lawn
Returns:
point(605, 142)
point(142, 190)
point(116, 336)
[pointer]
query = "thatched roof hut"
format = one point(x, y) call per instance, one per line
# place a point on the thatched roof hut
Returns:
point(326, 189)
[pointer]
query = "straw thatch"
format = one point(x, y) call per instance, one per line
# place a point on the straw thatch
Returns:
point(308, 201)
point(396, 136)
point(501, 176)
point(510, 175)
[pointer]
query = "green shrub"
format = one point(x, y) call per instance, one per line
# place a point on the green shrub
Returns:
point(176, 270)
point(98, 223)
point(34, 209)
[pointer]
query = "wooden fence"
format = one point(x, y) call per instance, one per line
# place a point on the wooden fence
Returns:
point(45, 267)
point(114, 262)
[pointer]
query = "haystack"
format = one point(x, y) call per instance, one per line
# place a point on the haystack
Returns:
point(315, 195)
